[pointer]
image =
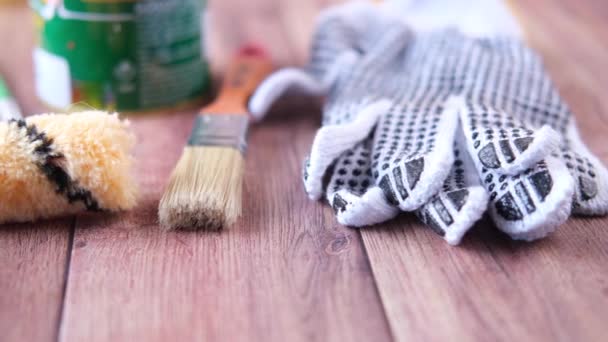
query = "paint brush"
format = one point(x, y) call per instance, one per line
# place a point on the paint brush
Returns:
point(205, 188)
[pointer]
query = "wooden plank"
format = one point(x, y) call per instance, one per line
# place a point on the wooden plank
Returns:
point(285, 272)
point(491, 288)
point(32, 256)
point(32, 269)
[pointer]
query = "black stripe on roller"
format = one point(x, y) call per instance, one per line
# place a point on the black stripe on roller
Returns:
point(50, 165)
point(399, 183)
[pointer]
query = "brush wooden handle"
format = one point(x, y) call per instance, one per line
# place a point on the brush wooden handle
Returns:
point(246, 71)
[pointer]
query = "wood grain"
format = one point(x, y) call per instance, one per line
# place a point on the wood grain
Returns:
point(287, 271)
point(32, 270)
point(32, 256)
point(491, 288)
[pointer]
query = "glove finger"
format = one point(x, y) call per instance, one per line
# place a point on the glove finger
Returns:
point(532, 204)
point(356, 28)
point(413, 147)
point(386, 42)
point(590, 177)
point(530, 190)
point(591, 180)
point(276, 85)
point(503, 143)
point(528, 205)
point(341, 28)
point(410, 161)
point(461, 202)
point(543, 106)
point(351, 191)
point(333, 140)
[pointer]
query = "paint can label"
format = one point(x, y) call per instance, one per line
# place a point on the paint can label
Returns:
point(125, 55)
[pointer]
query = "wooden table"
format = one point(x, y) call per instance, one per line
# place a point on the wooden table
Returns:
point(288, 271)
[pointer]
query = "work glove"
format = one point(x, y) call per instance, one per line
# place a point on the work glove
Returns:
point(387, 141)
point(520, 134)
point(495, 85)
point(524, 142)
point(506, 119)
point(521, 137)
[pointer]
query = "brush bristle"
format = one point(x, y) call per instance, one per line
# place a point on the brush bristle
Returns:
point(204, 191)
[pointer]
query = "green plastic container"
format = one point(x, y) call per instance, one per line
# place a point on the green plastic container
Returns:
point(136, 55)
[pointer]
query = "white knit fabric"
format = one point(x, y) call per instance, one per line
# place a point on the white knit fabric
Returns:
point(362, 48)
point(351, 190)
point(520, 135)
point(455, 119)
point(365, 80)
point(460, 203)
point(275, 86)
point(333, 140)
point(590, 175)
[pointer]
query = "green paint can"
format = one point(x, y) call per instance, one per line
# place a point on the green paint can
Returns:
point(124, 55)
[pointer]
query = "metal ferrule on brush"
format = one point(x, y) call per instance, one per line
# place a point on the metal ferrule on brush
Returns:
point(220, 130)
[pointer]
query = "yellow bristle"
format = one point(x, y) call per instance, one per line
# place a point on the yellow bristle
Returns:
point(204, 190)
point(94, 150)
